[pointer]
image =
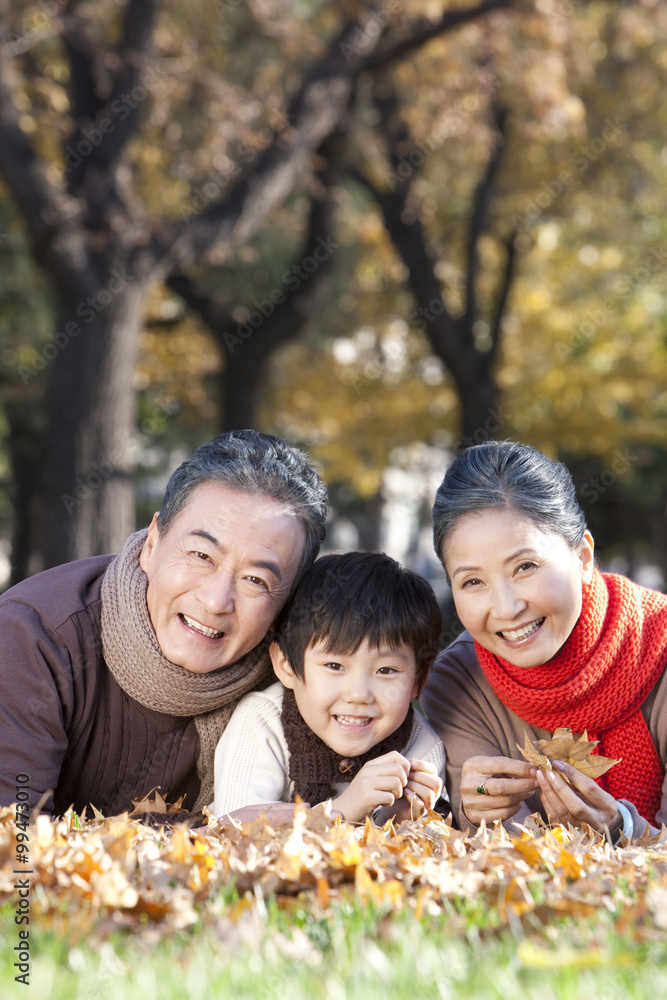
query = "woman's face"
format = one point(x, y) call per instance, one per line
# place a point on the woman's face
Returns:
point(517, 589)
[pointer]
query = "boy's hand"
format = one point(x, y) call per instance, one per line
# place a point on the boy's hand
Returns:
point(380, 782)
point(424, 785)
point(421, 792)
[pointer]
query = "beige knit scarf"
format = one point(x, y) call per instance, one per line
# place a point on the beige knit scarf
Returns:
point(132, 653)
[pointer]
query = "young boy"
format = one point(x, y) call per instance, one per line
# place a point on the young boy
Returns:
point(352, 647)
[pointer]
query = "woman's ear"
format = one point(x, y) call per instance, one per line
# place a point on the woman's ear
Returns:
point(281, 667)
point(587, 557)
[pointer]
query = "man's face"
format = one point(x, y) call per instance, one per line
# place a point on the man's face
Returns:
point(219, 576)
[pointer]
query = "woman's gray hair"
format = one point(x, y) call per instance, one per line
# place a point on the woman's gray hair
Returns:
point(507, 475)
point(257, 464)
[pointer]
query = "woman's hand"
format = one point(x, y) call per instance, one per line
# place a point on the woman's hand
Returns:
point(582, 801)
point(506, 782)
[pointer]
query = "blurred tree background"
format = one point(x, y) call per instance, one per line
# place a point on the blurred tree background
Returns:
point(381, 230)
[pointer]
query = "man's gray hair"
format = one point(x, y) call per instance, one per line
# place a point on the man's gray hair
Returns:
point(260, 465)
point(508, 475)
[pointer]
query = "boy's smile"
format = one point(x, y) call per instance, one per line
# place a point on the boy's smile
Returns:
point(352, 701)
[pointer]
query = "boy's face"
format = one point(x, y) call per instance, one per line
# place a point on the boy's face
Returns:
point(352, 701)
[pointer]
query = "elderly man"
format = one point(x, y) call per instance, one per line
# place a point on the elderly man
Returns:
point(118, 674)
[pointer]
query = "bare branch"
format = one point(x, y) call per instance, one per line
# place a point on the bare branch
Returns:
point(316, 110)
point(52, 216)
point(425, 31)
point(118, 117)
point(81, 55)
point(314, 113)
point(508, 276)
point(289, 306)
point(480, 215)
point(200, 300)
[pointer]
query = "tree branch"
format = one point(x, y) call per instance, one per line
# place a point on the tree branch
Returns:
point(508, 277)
point(117, 118)
point(424, 31)
point(479, 220)
point(315, 111)
point(52, 217)
point(247, 348)
point(289, 315)
point(81, 55)
point(313, 115)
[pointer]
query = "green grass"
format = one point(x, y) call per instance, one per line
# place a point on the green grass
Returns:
point(296, 952)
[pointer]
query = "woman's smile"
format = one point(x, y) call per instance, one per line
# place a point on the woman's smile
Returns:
point(523, 632)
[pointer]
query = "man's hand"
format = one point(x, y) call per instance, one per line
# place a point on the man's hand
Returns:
point(380, 782)
point(506, 783)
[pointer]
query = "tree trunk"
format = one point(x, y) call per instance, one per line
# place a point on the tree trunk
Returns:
point(481, 411)
point(87, 489)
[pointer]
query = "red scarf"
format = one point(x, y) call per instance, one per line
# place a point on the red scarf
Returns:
point(611, 661)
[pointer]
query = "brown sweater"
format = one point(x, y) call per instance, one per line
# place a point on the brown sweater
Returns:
point(471, 720)
point(64, 720)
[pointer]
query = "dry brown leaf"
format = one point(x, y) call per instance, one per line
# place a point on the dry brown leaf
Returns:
point(533, 755)
point(148, 804)
point(563, 746)
point(120, 873)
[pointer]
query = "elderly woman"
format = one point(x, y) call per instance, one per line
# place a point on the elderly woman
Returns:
point(549, 641)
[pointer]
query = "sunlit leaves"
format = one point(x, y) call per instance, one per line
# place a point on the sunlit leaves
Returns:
point(102, 875)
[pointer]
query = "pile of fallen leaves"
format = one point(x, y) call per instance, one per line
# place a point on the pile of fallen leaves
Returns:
point(106, 874)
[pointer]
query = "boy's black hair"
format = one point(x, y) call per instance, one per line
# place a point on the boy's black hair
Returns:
point(346, 599)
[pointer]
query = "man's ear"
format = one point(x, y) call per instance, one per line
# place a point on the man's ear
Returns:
point(281, 667)
point(149, 544)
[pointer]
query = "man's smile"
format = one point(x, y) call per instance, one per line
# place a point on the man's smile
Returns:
point(210, 633)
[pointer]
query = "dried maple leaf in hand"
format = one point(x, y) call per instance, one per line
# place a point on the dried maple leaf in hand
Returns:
point(533, 755)
point(563, 746)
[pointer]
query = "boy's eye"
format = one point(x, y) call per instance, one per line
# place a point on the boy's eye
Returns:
point(332, 665)
point(387, 671)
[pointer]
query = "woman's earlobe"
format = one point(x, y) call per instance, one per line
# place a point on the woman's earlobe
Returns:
point(587, 557)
